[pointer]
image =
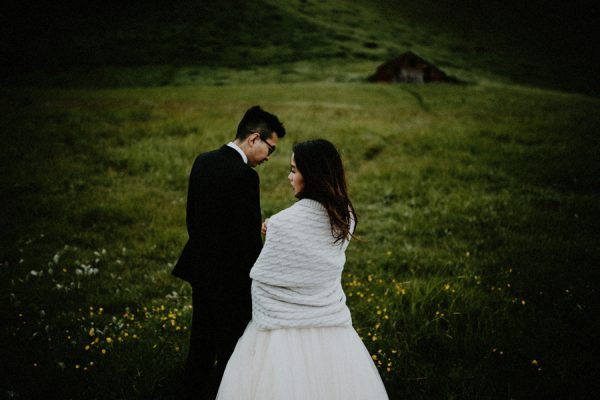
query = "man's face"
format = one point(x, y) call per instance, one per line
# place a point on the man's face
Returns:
point(260, 149)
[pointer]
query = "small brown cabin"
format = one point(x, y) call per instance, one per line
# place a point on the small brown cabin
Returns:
point(409, 68)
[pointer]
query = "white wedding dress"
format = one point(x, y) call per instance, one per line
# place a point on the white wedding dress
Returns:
point(300, 344)
point(301, 364)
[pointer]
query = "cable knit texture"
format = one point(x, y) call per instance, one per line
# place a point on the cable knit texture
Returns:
point(297, 277)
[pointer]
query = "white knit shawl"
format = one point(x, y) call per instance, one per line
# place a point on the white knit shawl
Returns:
point(297, 277)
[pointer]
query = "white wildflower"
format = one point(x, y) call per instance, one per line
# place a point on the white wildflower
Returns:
point(86, 270)
point(173, 295)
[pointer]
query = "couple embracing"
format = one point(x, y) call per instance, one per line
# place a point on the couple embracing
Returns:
point(270, 321)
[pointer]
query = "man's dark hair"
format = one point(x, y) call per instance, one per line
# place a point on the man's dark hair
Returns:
point(258, 120)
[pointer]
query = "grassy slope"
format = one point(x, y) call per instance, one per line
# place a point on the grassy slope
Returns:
point(141, 43)
point(478, 203)
point(477, 215)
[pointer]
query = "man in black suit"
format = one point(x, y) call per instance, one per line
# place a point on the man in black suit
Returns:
point(224, 228)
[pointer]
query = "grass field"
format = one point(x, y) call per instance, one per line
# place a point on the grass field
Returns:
point(474, 275)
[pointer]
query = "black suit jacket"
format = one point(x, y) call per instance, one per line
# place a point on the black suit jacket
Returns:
point(223, 222)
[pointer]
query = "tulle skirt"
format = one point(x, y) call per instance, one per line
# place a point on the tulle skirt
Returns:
point(301, 364)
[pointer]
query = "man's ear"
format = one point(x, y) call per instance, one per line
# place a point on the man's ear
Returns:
point(252, 138)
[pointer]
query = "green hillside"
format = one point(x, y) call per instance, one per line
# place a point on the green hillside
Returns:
point(161, 43)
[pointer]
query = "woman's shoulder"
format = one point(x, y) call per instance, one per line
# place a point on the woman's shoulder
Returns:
point(304, 207)
point(286, 212)
point(302, 214)
point(299, 209)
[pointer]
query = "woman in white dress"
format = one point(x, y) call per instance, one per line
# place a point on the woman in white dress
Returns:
point(300, 343)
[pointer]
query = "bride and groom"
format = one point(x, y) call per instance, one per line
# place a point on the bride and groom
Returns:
point(270, 321)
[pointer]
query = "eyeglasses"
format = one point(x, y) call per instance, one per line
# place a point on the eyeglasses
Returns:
point(271, 147)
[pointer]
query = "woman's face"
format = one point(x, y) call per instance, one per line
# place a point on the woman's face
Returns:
point(295, 177)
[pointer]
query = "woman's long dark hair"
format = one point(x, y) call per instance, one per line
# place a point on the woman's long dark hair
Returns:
point(321, 166)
